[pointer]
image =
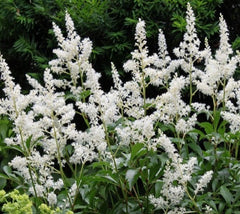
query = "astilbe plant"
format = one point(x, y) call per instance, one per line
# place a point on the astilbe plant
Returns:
point(91, 151)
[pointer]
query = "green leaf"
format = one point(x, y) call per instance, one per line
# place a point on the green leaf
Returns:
point(138, 150)
point(226, 194)
point(100, 164)
point(16, 147)
point(28, 142)
point(158, 187)
point(111, 178)
point(3, 183)
point(132, 176)
point(108, 178)
point(216, 118)
point(3, 176)
point(214, 184)
point(4, 127)
point(85, 94)
point(222, 127)
point(7, 170)
point(196, 148)
point(236, 43)
point(229, 211)
point(207, 127)
point(221, 207)
point(213, 204)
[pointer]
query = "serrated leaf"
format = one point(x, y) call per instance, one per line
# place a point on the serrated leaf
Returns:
point(207, 127)
point(7, 170)
point(138, 150)
point(131, 177)
point(3, 176)
point(15, 147)
point(100, 164)
point(226, 194)
point(3, 182)
point(28, 142)
point(196, 148)
point(110, 178)
point(158, 187)
point(201, 134)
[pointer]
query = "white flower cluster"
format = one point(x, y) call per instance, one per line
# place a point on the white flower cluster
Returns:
point(219, 69)
point(45, 118)
point(176, 176)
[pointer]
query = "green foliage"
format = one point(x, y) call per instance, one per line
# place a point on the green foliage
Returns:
point(5, 154)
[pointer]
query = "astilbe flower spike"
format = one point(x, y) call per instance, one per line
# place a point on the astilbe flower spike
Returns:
point(46, 119)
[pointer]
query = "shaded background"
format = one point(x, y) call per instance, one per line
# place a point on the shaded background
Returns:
point(26, 38)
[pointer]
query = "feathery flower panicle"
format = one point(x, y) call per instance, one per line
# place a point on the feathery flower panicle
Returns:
point(70, 26)
point(219, 69)
point(170, 105)
point(180, 210)
point(140, 59)
point(58, 33)
point(140, 35)
point(189, 48)
point(163, 65)
point(73, 54)
point(131, 96)
point(232, 112)
point(52, 198)
point(176, 176)
point(162, 48)
point(21, 164)
point(204, 180)
point(228, 92)
point(158, 203)
point(225, 50)
point(184, 126)
point(116, 78)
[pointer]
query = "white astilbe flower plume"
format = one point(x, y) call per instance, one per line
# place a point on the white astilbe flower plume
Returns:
point(222, 54)
point(203, 181)
point(73, 54)
point(184, 126)
point(189, 48)
point(232, 112)
point(170, 105)
point(219, 69)
point(163, 65)
point(176, 175)
point(140, 59)
point(116, 78)
point(58, 33)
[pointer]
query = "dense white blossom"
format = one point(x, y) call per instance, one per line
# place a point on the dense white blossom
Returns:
point(203, 181)
point(189, 48)
point(52, 198)
point(47, 117)
point(184, 126)
point(219, 69)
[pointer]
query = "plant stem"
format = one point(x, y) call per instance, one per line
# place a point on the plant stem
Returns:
point(115, 166)
point(59, 157)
